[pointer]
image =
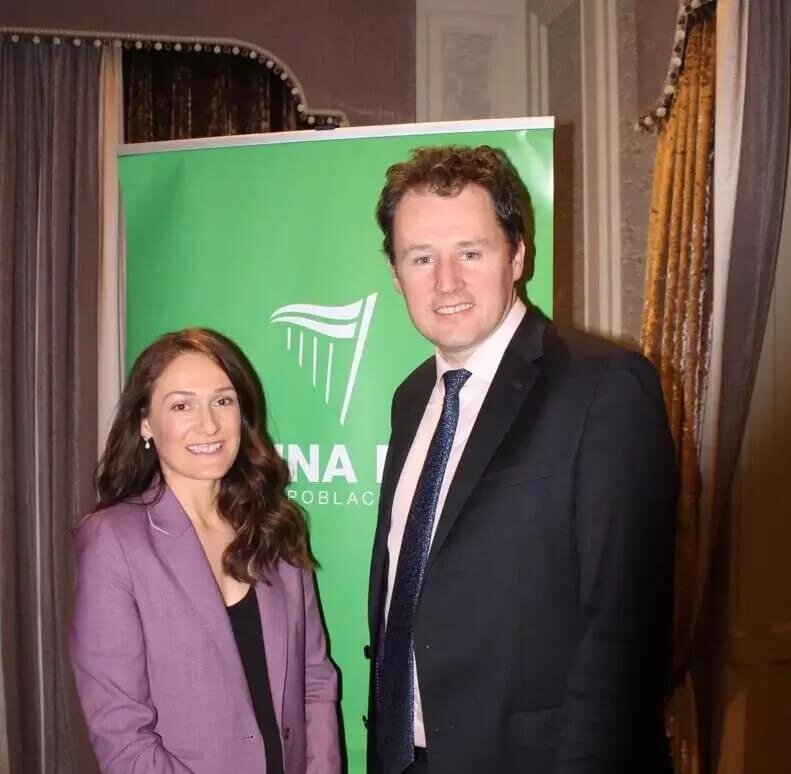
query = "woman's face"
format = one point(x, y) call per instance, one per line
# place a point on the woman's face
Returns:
point(193, 420)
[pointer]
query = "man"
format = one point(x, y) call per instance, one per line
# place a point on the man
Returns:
point(521, 581)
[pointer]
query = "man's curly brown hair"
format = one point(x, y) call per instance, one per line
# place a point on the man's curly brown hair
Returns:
point(446, 170)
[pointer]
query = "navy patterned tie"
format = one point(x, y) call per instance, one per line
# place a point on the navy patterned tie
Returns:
point(395, 690)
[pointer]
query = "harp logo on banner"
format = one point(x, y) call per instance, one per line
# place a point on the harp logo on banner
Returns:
point(312, 331)
point(328, 343)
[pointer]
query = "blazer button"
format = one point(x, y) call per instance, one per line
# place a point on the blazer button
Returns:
point(367, 652)
point(286, 733)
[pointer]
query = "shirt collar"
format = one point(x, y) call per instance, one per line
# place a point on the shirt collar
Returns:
point(485, 360)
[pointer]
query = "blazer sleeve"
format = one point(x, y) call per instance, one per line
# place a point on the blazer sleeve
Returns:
point(625, 514)
point(109, 659)
point(321, 690)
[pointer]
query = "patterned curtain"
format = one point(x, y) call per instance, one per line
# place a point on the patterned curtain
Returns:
point(675, 337)
point(174, 95)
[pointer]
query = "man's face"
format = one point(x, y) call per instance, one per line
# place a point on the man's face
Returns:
point(454, 267)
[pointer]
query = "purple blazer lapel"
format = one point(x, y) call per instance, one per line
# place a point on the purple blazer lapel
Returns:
point(274, 623)
point(181, 551)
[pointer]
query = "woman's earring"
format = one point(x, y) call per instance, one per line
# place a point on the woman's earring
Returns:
point(147, 443)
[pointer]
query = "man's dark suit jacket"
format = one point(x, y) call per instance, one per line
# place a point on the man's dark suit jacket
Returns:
point(542, 636)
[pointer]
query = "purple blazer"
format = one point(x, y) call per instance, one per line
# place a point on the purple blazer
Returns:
point(156, 664)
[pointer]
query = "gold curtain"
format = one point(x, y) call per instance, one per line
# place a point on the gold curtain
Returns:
point(675, 337)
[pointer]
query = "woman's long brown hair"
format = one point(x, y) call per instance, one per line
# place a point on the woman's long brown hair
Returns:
point(252, 497)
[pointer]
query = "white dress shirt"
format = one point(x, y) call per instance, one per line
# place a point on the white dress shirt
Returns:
point(482, 364)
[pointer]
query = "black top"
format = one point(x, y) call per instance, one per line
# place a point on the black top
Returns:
point(246, 625)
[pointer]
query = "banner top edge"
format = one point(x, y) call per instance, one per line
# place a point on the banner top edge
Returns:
point(344, 133)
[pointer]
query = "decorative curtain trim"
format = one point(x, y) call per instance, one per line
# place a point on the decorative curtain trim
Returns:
point(656, 116)
point(308, 116)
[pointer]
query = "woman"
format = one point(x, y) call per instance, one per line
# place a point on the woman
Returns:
point(196, 639)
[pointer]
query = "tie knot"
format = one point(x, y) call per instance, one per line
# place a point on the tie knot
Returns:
point(454, 381)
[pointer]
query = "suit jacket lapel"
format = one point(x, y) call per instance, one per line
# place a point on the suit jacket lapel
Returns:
point(511, 386)
point(274, 623)
point(406, 418)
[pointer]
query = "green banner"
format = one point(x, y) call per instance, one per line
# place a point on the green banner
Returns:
point(274, 244)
